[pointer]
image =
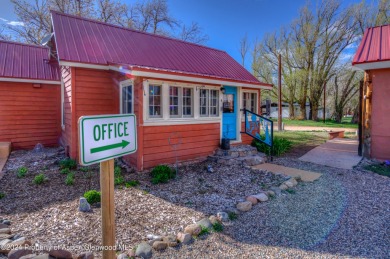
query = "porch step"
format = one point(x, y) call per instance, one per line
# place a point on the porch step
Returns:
point(5, 149)
point(243, 155)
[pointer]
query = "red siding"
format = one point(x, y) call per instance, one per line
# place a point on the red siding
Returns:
point(197, 141)
point(29, 115)
point(380, 134)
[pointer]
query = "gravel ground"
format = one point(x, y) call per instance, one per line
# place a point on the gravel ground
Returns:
point(343, 214)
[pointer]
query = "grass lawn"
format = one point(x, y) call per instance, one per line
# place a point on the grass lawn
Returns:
point(328, 123)
point(300, 138)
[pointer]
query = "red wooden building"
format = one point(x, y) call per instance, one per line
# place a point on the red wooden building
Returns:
point(181, 91)
point(30, 96)
point(373, 56)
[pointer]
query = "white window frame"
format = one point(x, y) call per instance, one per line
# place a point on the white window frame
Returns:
point(180, 104)
point(162, 102)
point(251, 92)
point(208, 105)
point(123, 84)
point(166, 119)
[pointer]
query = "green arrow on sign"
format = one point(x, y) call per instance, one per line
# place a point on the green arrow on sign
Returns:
point(122, 144)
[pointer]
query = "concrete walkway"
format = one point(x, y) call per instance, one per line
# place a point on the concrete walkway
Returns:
point(339, 153)
point(312, 128)
point(306, 176)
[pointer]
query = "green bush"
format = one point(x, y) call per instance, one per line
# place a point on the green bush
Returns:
point(68, 163)
point(39, 179)
point(380, 169)
point(204, 231)
point(132, 183)
point(2, 195)
point(217, 227)
point(162, 174)
point(65, 171)
point(84, 169)
point(92, 196)
point(118, 178)
point(280, 146)
point(22, 171)
point(69, 179)
point(232, 215)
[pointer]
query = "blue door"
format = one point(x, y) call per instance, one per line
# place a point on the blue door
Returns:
point(229, 116)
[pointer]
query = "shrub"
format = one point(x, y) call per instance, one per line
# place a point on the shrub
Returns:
point(92, 196)
point(68, 163)
point(217, 227)
point(204, 231)
point(69, 179)
point(280, 146)
point(2, 195)
point(232, 216)
point(22, 171)
point(118, 178)
point(381, 169)
point(39, 179)
point(65, 171)
point(132, 183)
point(84, 169)
point(162, 174)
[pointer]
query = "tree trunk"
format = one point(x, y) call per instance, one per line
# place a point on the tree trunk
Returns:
point(311, 110)
point(291, 110)
point(302, 108)
point(314, 111)
point(338, 113)
point(355, 117)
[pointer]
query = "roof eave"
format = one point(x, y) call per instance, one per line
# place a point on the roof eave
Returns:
point(372, 65)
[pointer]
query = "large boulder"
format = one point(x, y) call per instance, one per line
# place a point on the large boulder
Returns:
point(206, 223)
point(144, 250)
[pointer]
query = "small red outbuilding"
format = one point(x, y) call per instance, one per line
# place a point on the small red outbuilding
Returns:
point(30, 96)
point(373, 56)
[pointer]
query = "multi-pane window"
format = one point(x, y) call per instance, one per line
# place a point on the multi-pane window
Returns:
point(187, 102)
point(127, 99)
point(208, 103)
point(180, 102)
point(250, 101)
point(155, 110)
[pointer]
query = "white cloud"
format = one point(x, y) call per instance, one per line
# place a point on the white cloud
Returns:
point(15, 23)
point(4, 20)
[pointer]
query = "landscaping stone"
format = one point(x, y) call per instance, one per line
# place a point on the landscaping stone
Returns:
point(30, 256)
point(172, 244)
point(144, 250)
point(283, 187)
point(123, 256)
point(261, 197)
point(252, 199)
point(16, 237)
point(276, 190)
point(4, 242)
point(160, 245)
point(17, 253)
point(2, 226)
point(86, 255)
point(213, 219)
point(43, 256)
point(5, 236)
point(292, 181)
point(271, 193)
point(131, 253)
point(184, 238)
point(193, 229)
point(223, 216)
point(169, 238)
point(154, 237)
point(244, 206)
point(6, 222)
point(60, 253)
point(289, 184)
point(84, 206)
point(205, 223)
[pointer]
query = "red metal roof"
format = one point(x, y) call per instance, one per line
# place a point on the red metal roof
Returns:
point(375, 46)
point(87, 41)
point(24, 61)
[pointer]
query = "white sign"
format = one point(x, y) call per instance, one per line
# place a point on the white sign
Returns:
point(105, 137)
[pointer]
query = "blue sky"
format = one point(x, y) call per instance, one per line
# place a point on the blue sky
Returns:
point(224, 21)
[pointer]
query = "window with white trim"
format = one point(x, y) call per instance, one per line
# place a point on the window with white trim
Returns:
point(126, 95)
point(155, 101)
point(249, 101)
point(208, 103)
point(180, 102)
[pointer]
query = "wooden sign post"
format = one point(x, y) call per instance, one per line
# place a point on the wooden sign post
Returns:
point(108, 207)
point(103, 138)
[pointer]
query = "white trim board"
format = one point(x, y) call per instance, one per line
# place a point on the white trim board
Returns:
point(373, 65)
point(164, 76)
point(32, 81)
